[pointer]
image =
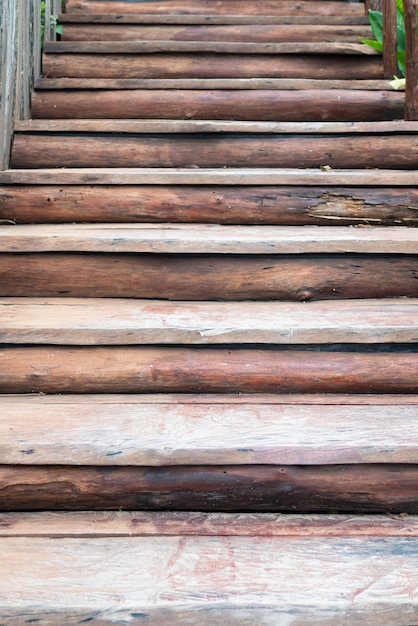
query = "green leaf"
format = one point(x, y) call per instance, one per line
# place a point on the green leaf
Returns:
point(377, 45)
point(401, 61)
point(400, 30)
point(399, 6)
point(376, 23)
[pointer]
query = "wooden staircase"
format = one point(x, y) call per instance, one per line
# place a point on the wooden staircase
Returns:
point(209, 323)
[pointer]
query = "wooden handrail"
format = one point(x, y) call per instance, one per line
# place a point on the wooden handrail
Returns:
point(411, 53)
point(390, 39)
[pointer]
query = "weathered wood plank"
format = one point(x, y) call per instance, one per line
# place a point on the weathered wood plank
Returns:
point(143, 524)
point(372, 488)
point(221, 7)
point(210, 204)
point(210, 65)
point(220, 176)
point(132, 369)
point(206, 238)
point(216, 47)
point(98, 321)
point(391, 128)
point(41, 150)
point(179, 581)
point(213, 277)
point(272, 33)
point(335, 105)
point(34, 433)
point(203, 83)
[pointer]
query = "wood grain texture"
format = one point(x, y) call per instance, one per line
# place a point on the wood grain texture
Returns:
point(224, 176)
point(279, 205)
point(142, 524)
point(180, 581)
point(135, 434)
point(372, 488)
point(213, 277)
point(215, 150)
point(98, 321)
point(133, 369)
point(211, 65)
point(206, 239)
point(267, 33)
point(221, 7)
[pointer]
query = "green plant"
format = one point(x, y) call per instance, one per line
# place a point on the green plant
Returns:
point(376, 23)
point(53, 21)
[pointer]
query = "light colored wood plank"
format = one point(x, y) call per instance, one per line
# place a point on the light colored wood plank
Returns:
point(189, 580)
point(216, 47)
point(207, 238)
point(97, 321)
point(208, 83)
point(213, 126)
point(34, 433)
point(140, 524)
point(209, 176)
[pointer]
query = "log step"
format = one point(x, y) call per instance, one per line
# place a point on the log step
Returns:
point(164, 430)
point(208, 277)
point(221, 7)
point(206, 239)
point(116, 322)
point(337, 151)
point(275, 205)
point(212, 19)
point(277, 33)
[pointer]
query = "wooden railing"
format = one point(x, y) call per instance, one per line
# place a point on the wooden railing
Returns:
point(20, 61)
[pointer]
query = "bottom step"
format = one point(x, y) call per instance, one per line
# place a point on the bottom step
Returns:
point(182, 569)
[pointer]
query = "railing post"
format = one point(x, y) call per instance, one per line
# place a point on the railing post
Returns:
point(8, 61)
point(390, 39)
point(411, 52)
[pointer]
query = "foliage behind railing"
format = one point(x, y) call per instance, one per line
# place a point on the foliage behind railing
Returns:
point(20, 61)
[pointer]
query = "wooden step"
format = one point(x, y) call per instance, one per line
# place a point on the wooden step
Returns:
point(169, 430)
point(98, 321)
point(212, 19)
point(223, 104)
point(212, 65)
point(137, 369)
point(184, 580)
point(221, 176)
point(275, 33)
point(208, 277)
point(204, 150)
point(280, 205)
point(206, 239)
point(221, 7)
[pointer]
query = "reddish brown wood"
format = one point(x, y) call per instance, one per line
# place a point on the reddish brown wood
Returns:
point(211, 150)
point(411, 53)
point(211, 66)
point(222, 7)
point(254, 32)
point(390, 39)
point(213, 277)
point(159, 370)
point(210, 204)
point(360, 488)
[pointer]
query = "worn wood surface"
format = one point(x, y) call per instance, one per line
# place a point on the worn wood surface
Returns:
point(202, 19)
point(131, 369)
point(221, 7)
point(335, 105)
point(150, 523)
point(98, 321)
point(206, 239)
point(390, 39)
point(213, 277)
point(131, 433)
point(207, 83)
point(210, 65)
point(372, 488)
point(214, 150)
point(207, 176)
point(411, 44)
point(283, 205)
point(271, 33)
point(179, 581)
